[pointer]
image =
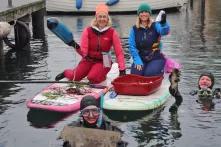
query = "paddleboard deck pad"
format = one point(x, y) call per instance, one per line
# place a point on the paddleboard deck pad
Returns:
point(63, 97)
point(137, 103)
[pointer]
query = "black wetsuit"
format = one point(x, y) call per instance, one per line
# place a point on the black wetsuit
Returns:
point(103, 124)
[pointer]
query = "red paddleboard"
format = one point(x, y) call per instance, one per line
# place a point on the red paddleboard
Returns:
point(65, 97)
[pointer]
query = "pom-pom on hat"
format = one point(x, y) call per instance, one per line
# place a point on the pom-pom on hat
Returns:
point(210, 75)
point(102, 7)
point(88, 101)
point(144, 7)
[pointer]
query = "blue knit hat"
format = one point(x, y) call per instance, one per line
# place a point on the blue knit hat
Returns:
point(144, 7)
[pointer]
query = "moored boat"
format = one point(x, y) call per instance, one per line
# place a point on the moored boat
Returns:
point(122, 6)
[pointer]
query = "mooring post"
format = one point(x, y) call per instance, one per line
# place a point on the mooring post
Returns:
point(38, 24)
point(203, 12)
point(191, 4)
point(1, 46)
point(9, 3)
point(22, 32)
point(2, 59)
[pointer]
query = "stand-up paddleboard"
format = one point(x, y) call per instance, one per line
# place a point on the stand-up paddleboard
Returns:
point(64, 97)
point(138, 103)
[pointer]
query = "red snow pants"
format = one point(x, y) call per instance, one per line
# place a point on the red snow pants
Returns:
point(94, 71)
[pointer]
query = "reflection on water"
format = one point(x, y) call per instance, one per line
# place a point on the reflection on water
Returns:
point(19, 65)
point(44, 119)
point(194, 41)
point(126, 116)
point(152, 129)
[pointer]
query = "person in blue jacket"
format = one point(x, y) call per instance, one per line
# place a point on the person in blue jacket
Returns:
point(144, 43)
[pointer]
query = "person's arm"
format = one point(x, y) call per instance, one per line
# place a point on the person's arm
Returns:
point(119, 52)
point(83, 50)
point(133, 49)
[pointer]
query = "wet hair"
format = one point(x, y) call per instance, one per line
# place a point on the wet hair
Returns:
point(210, 75)
point(88, 101)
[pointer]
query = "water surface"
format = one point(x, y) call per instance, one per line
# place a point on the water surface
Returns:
point(194, 41)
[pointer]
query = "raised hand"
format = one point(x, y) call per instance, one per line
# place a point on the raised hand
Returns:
point(163, 18)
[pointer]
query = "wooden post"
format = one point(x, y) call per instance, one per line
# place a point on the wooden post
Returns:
point(9, 3)
point(202, 12)
point(191, 4)
point(1, 46)
point(1, 56)
point(38, 24)
point(22, 37)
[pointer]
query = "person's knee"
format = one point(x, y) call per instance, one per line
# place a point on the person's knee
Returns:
point(154, 69)
point(96, 78)
point(68, 73)
point(153, 72)
point(72, 75)
point(136, 72)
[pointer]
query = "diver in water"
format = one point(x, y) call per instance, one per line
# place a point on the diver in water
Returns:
point(91, 116)
point(206, 93)
point(205, 87)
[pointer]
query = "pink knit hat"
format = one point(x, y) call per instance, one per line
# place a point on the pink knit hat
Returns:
point(102, 8)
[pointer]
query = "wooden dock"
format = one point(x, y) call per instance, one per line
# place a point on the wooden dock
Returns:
point(14, 9)
point(20, 13)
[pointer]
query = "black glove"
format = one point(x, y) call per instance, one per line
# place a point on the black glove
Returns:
point(217, 93)
point(163, 18)
point(122, 72)
point(193, 92)
point(74, 44)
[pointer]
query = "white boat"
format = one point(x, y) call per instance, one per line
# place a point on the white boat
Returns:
point(87, 6)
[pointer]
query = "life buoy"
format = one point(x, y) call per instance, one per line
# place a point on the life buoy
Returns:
point(23, 26)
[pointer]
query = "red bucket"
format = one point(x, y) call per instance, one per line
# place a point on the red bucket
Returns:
point(136, 85)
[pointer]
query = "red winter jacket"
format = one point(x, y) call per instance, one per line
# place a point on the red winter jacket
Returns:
point(94, 42)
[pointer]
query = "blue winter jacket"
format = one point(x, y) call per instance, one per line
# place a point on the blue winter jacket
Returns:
point(158, 29)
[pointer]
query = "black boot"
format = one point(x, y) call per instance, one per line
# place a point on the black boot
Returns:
point(59, 76)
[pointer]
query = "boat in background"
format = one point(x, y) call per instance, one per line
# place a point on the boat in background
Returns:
point(88, 6)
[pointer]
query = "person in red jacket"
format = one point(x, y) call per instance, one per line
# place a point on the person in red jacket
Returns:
point(96, 43)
